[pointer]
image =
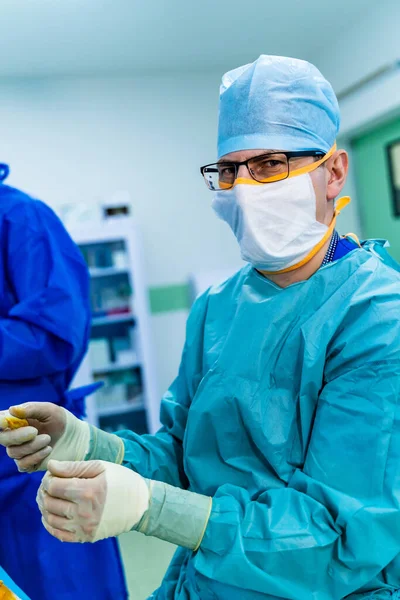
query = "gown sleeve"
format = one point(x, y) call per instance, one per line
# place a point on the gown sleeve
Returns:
point(46, 328)
point(160, 456)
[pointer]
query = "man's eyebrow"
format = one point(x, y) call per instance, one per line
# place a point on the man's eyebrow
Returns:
point(223, 160)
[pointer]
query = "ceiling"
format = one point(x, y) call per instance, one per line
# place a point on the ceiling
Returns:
point(68, 37)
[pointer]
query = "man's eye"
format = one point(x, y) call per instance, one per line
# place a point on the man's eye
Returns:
point(227, 173)
point(224, 171)
point(269, 164)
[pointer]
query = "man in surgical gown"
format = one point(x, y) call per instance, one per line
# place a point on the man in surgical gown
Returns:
point(277, 468)
point(44, 331)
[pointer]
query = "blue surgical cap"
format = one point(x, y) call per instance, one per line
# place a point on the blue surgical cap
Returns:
point(277, 103)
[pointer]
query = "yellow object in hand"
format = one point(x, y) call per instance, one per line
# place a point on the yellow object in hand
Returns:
point(7, 421)
point(5, 593)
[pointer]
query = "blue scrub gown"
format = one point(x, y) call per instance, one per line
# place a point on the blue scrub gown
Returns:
point(44, 332)
point(286, 412)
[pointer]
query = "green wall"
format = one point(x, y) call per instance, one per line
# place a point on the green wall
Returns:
point(373, 185)
point(169, 298)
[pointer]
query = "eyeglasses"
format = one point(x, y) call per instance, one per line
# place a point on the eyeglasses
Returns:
point(266, 168)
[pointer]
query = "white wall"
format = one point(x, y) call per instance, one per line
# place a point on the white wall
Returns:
point(353, 54)
point(85, 139)
point(358, 52)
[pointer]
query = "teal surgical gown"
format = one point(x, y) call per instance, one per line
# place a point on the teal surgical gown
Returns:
point(286, 412)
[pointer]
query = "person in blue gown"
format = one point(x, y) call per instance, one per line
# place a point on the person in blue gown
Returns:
point(44, 330)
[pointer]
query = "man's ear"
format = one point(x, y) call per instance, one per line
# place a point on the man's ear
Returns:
point(337, 166)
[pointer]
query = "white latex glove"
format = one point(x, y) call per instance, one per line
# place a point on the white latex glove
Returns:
point(90, 501)
point(53, 433)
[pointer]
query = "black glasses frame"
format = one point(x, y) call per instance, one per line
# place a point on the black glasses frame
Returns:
point(238, 164)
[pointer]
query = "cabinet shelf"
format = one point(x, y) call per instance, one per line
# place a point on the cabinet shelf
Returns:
point(116, 367)
point(121, 353)
point(108, 272)
point(112, 319)
point(107, 411)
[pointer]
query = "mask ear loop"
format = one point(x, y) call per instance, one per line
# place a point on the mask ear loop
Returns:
point(314, 166)
point(353, 237)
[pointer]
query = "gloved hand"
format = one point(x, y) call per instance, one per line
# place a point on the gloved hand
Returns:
point(53, 432)
point(90, 501)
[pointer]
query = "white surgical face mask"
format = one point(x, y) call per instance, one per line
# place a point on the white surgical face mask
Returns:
point(274, 223)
